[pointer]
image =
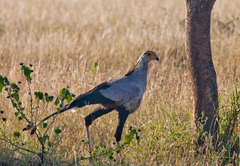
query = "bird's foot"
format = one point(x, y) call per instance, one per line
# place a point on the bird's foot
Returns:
point(120, 154)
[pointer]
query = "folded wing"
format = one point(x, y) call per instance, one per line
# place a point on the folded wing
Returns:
point(125, 93)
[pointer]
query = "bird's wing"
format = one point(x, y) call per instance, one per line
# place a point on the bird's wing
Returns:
point(124, 92)
point(121, 92)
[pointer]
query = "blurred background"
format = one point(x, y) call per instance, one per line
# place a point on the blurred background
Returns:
point(81, 43)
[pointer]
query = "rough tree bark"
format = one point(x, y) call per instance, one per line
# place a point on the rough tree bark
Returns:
point(203, 75)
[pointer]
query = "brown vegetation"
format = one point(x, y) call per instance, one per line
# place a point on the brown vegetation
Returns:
point(63, 38)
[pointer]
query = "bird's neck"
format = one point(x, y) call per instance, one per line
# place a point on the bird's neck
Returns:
point(141, 67)
point(139, 71)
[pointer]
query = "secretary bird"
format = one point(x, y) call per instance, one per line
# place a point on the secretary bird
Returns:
point(123, 94)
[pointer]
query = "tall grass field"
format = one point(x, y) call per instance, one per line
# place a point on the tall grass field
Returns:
point(78, 44)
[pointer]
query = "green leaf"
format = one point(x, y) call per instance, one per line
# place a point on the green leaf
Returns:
point(81, 158)
point(44, 125)
point(110, 155)
point(1, 83)
point(14, 104)
point(27, 73)
point(15, 96)
point(40, 96)
point(138, 141)
point(20, 118)
point(23, 115)
point(50, 98)
point(57, 101)
point(57, 131)
point(64, 94)
point(95, 64)
point(120, 148)
point(128, 138)
point(14, 86)
point(97, 147)
point(16, 134)
point(10, 90)
point(69, 97)
point(133, 132)
point(6, 80)
point(46, 136)
point(61, 92)
point(16, 113)
point(47, 98)
point(50, 144)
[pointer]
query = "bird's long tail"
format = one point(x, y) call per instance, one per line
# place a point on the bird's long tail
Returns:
point(63, 109)
point(88, 98)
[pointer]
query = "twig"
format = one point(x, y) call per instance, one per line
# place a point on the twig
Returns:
point(18, 146)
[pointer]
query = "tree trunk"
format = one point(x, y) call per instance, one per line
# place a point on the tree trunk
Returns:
point(203, 75)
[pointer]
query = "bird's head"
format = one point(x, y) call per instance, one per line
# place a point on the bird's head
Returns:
point(150, 55)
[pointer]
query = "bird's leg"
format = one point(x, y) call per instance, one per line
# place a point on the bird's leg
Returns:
point(88, 137)
point(91, 117)
point(122, 117)
point(120, 154)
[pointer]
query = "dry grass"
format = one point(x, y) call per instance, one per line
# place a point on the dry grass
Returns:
point(63, 38)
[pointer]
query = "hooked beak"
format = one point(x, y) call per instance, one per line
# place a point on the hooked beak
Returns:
point(157, 59)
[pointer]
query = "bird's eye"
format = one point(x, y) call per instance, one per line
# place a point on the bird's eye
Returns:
point(149, 54)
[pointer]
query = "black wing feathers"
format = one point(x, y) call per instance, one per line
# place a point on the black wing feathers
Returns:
point(91, 97)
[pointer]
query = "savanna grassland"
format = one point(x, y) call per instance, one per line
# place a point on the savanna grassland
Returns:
point(81, 43)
